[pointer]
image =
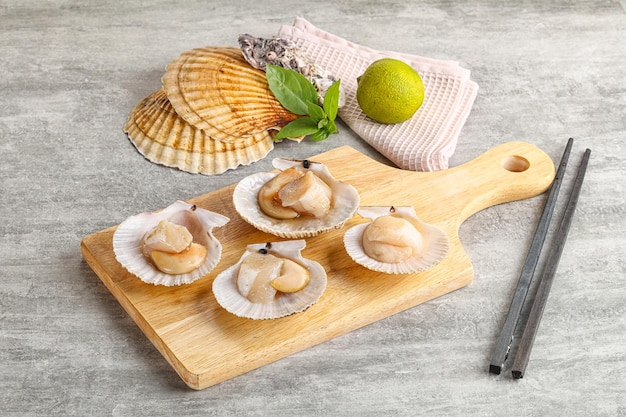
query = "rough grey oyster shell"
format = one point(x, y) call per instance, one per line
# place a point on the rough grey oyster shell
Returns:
point(283, 52)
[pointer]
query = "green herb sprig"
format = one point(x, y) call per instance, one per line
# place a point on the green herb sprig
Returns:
point(299, 96)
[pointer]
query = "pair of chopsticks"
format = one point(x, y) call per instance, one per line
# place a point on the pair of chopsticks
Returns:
point(532, 325)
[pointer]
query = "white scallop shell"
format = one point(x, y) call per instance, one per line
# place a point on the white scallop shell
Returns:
point(128, 241)
point(229, 297)
point(436, 242)
point(344, 205)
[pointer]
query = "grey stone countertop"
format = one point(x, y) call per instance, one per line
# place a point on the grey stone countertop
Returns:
point(71, 72)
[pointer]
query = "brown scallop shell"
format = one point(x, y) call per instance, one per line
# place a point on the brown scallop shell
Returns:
point(215, 89)
point(163, 137)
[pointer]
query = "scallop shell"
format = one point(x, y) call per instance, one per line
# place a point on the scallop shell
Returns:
point(128, 241)
point(344, 205)
point(437, 243)
point(228, 296)
point(215, 89)
point(163, 137)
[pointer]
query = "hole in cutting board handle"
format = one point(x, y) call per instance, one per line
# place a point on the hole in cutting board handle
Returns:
point(515, 163)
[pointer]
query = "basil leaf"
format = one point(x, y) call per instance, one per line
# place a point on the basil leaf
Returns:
point(290, 88)
point(320, 135)
point(298, 95)
point(316, 112)
point(300, 127)
point(331, 100)
point(331, 127)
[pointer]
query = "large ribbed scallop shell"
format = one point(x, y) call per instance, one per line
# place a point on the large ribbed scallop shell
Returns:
point(345, 202)
point(215, 89)
point(128, 241)
point(436, 242)
point(163, 137)
point(228, 296)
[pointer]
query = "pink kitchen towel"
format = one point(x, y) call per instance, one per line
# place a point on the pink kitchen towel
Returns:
point(427, 140)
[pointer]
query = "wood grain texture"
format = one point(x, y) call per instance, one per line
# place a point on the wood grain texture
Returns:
point(206, 345)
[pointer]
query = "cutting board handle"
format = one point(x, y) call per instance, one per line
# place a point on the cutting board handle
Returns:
point(508, 172)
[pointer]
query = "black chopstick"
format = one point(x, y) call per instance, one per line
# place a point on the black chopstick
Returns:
point(506, 335)
point(534, 318)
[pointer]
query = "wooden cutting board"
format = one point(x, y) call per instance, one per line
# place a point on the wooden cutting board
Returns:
point(206, 345)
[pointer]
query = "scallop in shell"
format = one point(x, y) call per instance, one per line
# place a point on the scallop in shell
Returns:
point(163, 137)
point(128, 241)
point(344, 202)
point(228, 292)
point(215, 89)
point(427, 244)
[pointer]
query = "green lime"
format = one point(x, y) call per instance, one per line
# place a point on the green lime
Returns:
point(390, 91)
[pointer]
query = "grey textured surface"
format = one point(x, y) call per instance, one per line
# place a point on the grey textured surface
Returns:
point(71, 72)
